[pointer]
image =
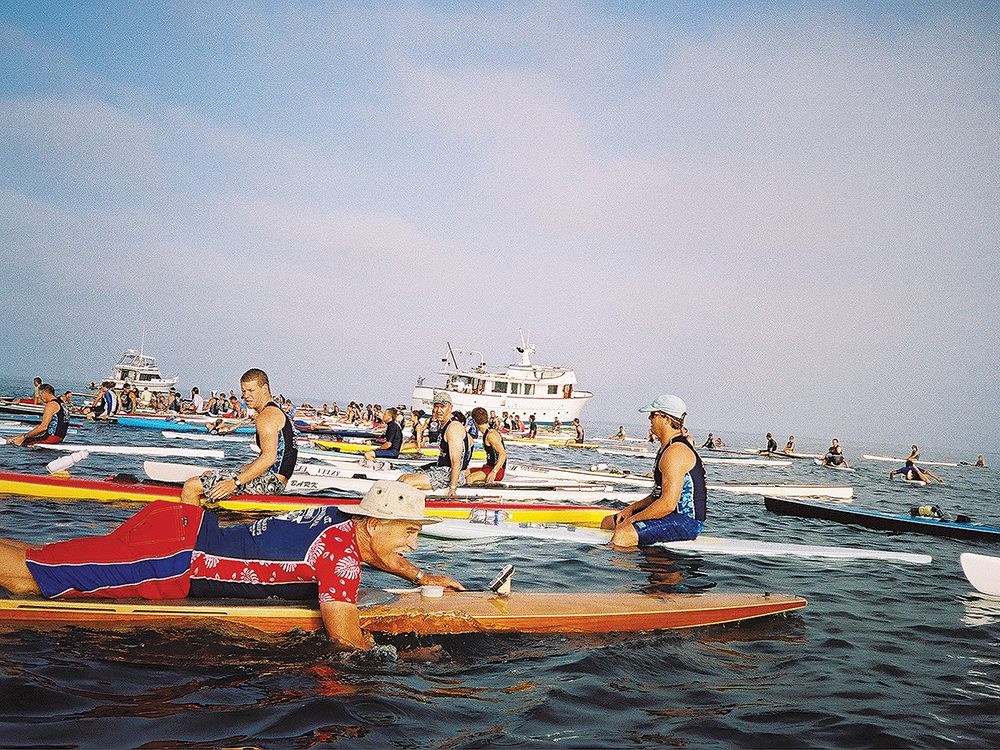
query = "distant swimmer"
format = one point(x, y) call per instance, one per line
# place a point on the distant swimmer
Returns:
point(392, 441)
point(269, 472)
point(55, 421)
point(911, 472)
point(580, 435)
point(676, 508)
point(835, 455)
point(496, 451)
point(772, 445)
point(620, 435)
point(709, 442)
point(790, 445)
point(455, 451)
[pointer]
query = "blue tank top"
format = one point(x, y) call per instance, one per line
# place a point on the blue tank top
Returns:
point(693, 501)
point(288, 450)
point(444, 457)
point(492, 456)
point(59, 422)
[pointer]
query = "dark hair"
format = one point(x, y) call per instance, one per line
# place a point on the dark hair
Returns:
point(46, 388)
point(479, 415)
point(255, 374)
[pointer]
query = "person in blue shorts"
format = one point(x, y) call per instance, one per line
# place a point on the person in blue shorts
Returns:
point(676, 508)
point(393, 440)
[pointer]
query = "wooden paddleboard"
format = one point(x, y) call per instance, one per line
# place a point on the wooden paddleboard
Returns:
point(455, 612)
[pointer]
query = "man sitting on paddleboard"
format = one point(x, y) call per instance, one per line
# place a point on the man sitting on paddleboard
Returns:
point(455, 451)
point(55, 421)
point(496, 451)
point(676, 508)
point(269, 472)
point(176, 550)
point(835, 455)
point(393, 440)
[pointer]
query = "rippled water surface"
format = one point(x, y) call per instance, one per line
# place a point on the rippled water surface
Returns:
point(886, 654)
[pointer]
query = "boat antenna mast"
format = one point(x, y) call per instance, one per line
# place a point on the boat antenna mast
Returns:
point(452, 353)
point(525, 349)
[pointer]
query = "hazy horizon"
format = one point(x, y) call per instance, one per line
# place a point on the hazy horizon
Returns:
point(785, 214)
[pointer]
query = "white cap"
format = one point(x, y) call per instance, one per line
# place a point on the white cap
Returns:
point(391, 501)
point(668, 404)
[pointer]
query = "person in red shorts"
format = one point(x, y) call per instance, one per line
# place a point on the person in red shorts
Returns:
point(178, 550)
point(496, 452)
point(54, 424)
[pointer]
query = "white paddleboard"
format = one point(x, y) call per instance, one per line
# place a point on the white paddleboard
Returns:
point(466, 530)
point(136, 450)
point(890, 459)
point(983, 572)
point(171, 435)
point(821, 462)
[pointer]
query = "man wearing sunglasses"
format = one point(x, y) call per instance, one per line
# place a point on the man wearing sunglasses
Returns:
point(676, 508)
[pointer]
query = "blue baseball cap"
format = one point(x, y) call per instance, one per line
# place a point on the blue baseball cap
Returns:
point(668, 404)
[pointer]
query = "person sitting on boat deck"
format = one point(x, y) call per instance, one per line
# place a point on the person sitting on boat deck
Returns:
point(129, 399)
point(176, 551)
point(835, 455)
point(269, 472)
point(914, 454)
point(790, 445)
point(392, 442)
point(174, 401)
point(772, 444)
point(455, 451)
point(709, 442)
point(532, 427)
point(580, 434)
point(36, 397)
point(496, 451)
point(677, 506)
point(55, 421)
point(914, 474)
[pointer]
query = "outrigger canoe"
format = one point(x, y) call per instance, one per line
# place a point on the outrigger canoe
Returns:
point(454, 612)
point(873, 519)
point(62, 488)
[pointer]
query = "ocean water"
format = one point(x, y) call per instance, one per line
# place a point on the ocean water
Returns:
point(885, 655)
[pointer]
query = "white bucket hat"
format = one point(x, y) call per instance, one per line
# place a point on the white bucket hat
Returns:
point(391, 501)
point(668, 404)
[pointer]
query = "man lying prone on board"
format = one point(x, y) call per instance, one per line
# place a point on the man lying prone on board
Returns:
point(177, 550)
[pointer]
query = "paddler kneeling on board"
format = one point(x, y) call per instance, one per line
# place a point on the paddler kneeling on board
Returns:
point(177, 550)
point(270, 471)
point(676, 508)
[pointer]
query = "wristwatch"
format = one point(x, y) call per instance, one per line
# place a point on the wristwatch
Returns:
point(418, 577)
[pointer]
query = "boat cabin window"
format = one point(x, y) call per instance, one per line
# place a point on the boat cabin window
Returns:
point(529, 389)
point(553, 390)
point(145, 376)
point(499, 387)
point(515, 388)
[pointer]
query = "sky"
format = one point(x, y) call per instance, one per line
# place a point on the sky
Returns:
point(785, 213)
